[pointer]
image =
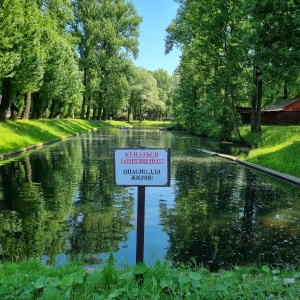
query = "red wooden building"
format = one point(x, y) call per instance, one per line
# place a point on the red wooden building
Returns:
point(282, 112)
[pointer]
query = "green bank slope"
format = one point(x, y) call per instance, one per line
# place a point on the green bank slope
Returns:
point(277, 148)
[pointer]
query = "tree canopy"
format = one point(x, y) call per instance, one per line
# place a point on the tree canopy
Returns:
point(234, 53)
point(63, 58)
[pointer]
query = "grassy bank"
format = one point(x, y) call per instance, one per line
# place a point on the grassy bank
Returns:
point(16, 135)
point(277, 148)
point(31, 280)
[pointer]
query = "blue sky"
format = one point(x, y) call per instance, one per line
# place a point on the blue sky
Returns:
point(157, 15)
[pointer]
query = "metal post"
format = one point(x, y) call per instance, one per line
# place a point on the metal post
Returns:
point(140, 225)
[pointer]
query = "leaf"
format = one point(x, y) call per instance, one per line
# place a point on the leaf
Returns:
point(126, 275)
point(220, 287)
point(116, 293)
point(195, 276)
point(297, 275)
point(68, 281)
point(266, 269)
point(41, 282)
point(139, 268)
point(289, 280)
point(54, 281)
point(79, 278)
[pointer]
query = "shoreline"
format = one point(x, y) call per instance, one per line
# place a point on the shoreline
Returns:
point(279, 175)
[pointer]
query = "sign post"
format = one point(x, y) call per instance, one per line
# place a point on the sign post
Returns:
point(140, 230)
point(142, 167)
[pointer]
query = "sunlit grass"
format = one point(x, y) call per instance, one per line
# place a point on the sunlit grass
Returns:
point(20, 134)
point(278, 148)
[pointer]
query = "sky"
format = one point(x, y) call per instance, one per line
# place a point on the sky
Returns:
point(157, 16)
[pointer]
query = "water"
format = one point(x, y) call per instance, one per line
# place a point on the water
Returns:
point(59, 203)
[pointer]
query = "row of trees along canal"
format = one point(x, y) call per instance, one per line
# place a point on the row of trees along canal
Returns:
point(61, 57)
point(65, 58)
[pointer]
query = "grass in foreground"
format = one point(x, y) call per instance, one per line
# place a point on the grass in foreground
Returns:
point(31, 280)
point(277, 148)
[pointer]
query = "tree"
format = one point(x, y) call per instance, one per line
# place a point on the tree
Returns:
point(211, 63)
point(144, 98)
point(107, 33)
point(164, 89)
point(30, 72)
point(11, 20)
point(274, 48)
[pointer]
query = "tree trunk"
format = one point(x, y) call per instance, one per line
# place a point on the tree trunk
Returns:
point(25, 115)
point(82, 113)
point(14, 111)
point(6, 91)
point(35, 101)
point(236, 125)
point(88, 111)
point(141, 116)
point(104, 114)
point(99, 113)
point(94, 117)
point(256, 102)
point(128, 114)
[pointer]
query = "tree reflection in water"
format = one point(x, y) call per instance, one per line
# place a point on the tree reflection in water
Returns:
point(225, 215)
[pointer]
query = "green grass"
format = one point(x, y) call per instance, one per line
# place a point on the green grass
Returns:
point(31, 280)
point(277, 148)
point(21, 134)
point(17, 135)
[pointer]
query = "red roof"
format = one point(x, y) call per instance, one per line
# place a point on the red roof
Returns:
point(284, 105)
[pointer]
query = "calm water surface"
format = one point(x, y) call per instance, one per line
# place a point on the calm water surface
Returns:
point(59, 203)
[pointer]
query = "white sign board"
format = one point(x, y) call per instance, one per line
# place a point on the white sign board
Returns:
point(142, 167)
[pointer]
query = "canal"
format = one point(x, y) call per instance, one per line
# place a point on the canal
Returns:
point(60, 204)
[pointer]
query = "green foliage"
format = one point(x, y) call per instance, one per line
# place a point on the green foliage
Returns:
point(11, 20)
point(144, 97)
point(223, 43)
point(107, 35)
point(31, 280)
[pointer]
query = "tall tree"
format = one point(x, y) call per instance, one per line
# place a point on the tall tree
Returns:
point(30, 72)
point(274, 49)
point(107, 32)
point(144, 97)
point(164, 80)
point(208, 34)
point(11, 20)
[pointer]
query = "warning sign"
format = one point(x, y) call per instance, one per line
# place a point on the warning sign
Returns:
point(142, 167)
